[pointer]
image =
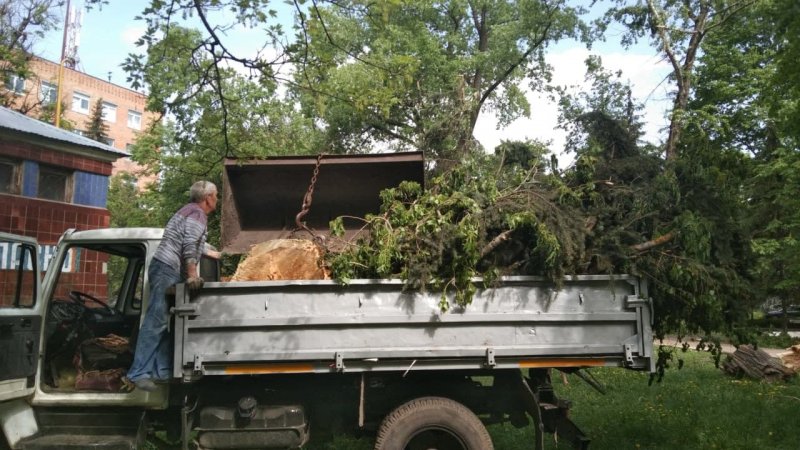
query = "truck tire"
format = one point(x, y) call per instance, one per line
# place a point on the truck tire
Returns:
point(432, 423)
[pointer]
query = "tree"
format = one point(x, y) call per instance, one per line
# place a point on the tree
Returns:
point(417, 74)
point(411, 74)
point(744, 104)
point(208, 120)
point(128, 206)
point(677, 29)
point(21, 23)
point(96, 127)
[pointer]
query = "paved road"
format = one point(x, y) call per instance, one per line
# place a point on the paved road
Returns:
point(726, 348)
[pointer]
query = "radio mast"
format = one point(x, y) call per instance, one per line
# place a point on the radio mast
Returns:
point(73, 37)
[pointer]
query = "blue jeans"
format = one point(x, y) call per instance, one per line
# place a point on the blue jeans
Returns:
point(153, 356)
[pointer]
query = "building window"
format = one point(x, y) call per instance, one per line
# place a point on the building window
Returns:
point(9, 177)
point(134, 120)
point(55, 184)
point(48, 93)
point(80, 103)
point(109, 112)
point(108, 141)
point(15, 84)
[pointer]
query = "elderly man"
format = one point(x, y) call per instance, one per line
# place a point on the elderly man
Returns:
point(175, 260)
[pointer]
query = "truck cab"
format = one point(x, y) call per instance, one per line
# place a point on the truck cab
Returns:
point(68, 327)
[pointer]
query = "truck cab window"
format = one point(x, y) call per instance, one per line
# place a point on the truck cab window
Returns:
point(17, 275)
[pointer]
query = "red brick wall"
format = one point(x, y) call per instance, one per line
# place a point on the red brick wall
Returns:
point(87, 277)
point(23, 150)
point(46, 220)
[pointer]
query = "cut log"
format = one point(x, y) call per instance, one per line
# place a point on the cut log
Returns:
point(756, 364)
point(791, 358)
point(282, 259)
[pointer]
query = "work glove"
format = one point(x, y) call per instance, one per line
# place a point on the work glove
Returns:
point(194, 284)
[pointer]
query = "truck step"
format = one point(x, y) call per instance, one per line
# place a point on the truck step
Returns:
point(72, 441)
point(102, 421)
point(86, 428)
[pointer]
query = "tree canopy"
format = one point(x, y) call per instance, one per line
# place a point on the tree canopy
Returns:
point(708, 216)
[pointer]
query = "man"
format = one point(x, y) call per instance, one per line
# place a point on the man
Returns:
point(175, 260)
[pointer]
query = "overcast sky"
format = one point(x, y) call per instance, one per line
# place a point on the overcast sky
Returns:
point(108, 35)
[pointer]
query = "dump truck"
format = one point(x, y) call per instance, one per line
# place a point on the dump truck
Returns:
point(271, 364)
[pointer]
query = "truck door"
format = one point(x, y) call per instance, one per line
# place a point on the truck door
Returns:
point(20, 315)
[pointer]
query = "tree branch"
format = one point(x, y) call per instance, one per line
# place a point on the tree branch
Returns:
point(661, 240)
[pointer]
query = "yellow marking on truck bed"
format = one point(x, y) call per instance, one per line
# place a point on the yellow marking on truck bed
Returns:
point(244, 369)
point(562, 362)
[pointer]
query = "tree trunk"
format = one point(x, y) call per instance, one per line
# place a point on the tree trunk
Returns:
point(756, 364)
point(282, 259)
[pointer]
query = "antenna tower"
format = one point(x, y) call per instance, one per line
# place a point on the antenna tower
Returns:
point(73, 38)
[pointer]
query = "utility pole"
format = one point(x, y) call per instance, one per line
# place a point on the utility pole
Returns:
point(61, 67)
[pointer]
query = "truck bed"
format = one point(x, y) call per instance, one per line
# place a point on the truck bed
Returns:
point(232, 328)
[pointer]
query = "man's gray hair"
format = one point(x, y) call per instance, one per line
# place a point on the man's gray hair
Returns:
point(200, 190)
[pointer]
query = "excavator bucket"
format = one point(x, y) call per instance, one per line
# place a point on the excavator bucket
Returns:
point(261, 199)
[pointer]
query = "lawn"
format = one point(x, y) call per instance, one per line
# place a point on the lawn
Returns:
point(696, 407)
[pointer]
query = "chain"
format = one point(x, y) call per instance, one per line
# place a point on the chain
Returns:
point(307, 199)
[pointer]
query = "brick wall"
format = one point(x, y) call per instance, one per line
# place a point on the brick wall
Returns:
point(26, 151)
point(74, 81)
point(46, 220)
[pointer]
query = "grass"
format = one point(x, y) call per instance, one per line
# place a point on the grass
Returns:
point(697, 407)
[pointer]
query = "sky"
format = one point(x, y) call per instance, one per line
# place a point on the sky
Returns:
point(108, 34)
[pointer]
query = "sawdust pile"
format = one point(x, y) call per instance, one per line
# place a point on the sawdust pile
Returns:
point(282, 259)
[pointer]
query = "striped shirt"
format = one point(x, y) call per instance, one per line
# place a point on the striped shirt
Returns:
point(184, 238)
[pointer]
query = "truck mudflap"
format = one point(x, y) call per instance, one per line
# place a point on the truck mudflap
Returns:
point(253, 328)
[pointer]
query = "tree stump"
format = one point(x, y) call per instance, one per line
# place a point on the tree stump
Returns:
point(791, 358)
point(282, 259)
point(755, 364)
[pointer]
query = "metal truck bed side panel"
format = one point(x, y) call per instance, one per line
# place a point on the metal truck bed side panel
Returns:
point(375, 325)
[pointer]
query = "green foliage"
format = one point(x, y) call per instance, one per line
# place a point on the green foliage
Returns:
point(416, 74)
point(128, 206)
point(21, 24)
point(96, 127)
point(209, 119)
point(697, 407)
point(713, 226)
point(47, 114)
point(479, 219)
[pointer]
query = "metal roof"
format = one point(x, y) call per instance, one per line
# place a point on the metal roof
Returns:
point(12, 120)
point(117, 233)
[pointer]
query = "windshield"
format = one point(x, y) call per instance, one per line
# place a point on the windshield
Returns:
point(108, 274)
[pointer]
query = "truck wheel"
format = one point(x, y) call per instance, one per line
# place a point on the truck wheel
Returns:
point(432, 423)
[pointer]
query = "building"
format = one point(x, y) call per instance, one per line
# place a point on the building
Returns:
point(123, 108)
point(50, 180)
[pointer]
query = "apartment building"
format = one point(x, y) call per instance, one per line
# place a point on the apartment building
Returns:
point(123, 109)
